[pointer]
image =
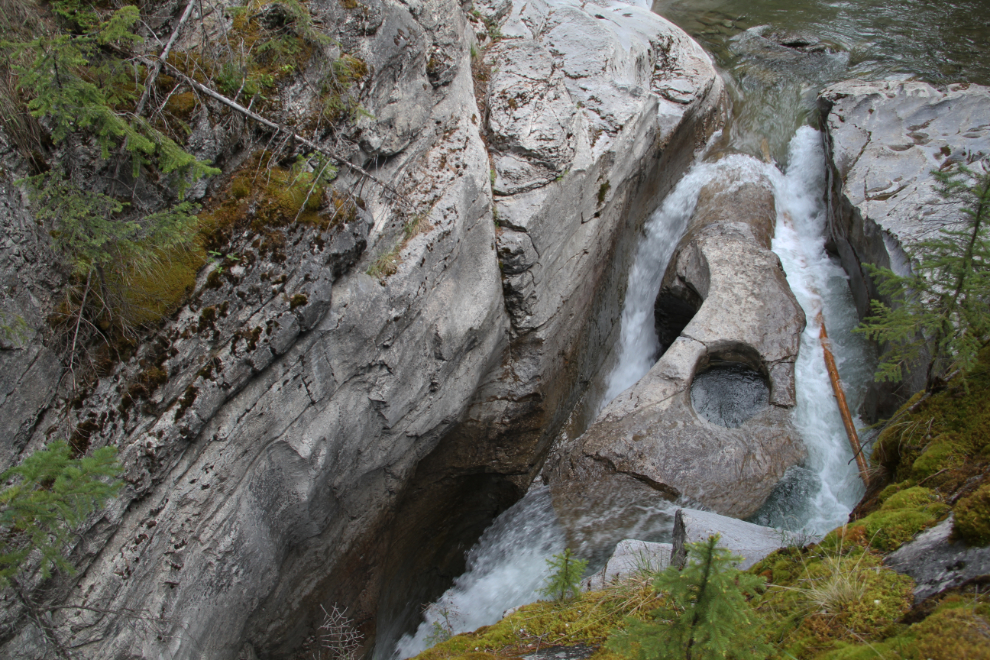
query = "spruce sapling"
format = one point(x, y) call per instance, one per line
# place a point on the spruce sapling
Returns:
point(566, 572)
point(705, 613)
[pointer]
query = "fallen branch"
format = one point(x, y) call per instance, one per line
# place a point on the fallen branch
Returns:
point(157, 66)
point(278, 128)
point(840, 397)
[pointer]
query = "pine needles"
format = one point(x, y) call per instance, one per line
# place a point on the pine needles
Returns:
point(939, 311)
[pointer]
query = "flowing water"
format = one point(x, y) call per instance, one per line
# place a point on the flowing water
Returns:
point(773, 88)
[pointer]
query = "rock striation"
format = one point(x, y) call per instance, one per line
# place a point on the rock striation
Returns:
point(883, 140)
point(651, 438)
point(324, 436)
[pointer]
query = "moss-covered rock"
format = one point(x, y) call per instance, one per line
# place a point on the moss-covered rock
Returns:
point(972, 521)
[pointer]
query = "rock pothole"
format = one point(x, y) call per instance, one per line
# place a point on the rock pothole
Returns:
point(729, 393)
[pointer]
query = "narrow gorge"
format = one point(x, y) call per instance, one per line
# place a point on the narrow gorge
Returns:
point(568, 276)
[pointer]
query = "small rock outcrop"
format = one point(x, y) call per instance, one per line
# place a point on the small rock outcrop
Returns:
point(935, 562)
point(747, 317)
point(882, 141)
point(749, 541)
point(629, 558)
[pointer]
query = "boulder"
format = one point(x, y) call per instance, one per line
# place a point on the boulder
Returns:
point(749, 541)
point(748, 319)
point(883, 140)
point(629, 558)
point(935, 562)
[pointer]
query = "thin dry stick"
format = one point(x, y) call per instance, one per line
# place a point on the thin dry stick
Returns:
point(75, 335)
point(234, 105)
point(840, 398)
point(157, 67)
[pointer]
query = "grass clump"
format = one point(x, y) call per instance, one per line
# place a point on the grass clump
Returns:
point(829, 596)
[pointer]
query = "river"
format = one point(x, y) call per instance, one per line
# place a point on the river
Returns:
point(771, 132)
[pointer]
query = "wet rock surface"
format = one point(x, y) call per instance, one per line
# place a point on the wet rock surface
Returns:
point(729, 394)
point(650, 439)
point(883, 140)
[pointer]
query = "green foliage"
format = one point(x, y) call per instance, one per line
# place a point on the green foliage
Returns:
point(901, 517)
point(86, 228)
point(78, 81)
point(940, 309)
point(564, 580)
point(705, 613)
point(52, 494)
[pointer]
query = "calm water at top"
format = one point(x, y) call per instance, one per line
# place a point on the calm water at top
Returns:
point(937, 41)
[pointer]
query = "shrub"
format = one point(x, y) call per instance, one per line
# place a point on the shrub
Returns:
point(705, 615)
point(52, 494)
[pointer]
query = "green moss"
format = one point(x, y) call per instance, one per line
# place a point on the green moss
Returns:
point(588, 619)
point(945, 452)
point(298, 300)
point(826, 597)
point(603, 191)
point(888, 530)
point(972, 522)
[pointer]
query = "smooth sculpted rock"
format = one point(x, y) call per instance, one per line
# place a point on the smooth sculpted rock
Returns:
point(746, 540)
point(883, 140)
point(630, 557)
point(333, 417)
point(747, 320)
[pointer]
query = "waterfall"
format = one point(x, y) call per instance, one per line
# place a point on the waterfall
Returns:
point(508, 565)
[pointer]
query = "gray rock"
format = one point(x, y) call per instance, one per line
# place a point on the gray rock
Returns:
point(936, 563)
point(749, 541)
point(630, 557)
point(883, 140)
point(651, 432)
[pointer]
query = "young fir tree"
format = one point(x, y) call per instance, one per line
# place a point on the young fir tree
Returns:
point(706, 614)
point(566, 572)
point(941, 310)
point(51, 495)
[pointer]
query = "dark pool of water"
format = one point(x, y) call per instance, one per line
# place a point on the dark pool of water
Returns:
point(728, 394)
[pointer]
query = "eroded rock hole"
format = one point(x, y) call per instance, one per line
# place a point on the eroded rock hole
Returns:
point(674, 309)
point(729, 393)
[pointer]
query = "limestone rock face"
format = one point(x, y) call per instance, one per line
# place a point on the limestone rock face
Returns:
point(325, 436)
point(652, 432)
point(883, 140)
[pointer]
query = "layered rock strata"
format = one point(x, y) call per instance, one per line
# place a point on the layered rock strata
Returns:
point(650, 442)
point(327, 437)
point(883, 140)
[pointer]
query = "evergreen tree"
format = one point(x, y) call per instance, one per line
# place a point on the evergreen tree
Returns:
point(705, 615)
point(939, 310)
point(566, 572)
point(51, 496)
